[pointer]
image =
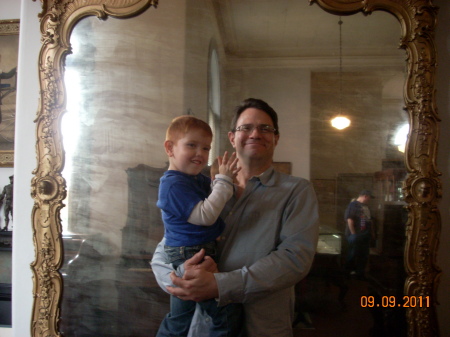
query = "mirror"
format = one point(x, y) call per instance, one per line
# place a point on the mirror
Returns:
point(103, 114)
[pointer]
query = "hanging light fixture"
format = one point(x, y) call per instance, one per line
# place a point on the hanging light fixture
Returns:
point(340, 122)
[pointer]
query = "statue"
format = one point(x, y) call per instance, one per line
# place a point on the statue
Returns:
point(7, 198)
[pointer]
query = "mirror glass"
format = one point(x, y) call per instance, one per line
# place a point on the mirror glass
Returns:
point(127, 79)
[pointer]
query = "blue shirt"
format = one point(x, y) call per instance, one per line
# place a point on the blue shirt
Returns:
point(178, 194)
point(355, 211)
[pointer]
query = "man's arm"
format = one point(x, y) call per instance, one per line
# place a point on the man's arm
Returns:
point(351, 225)
point(282, 268)
point(349, 216)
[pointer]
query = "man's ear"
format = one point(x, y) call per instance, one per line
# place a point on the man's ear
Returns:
point(277, 137)
point(231, 136)
point(168, 146)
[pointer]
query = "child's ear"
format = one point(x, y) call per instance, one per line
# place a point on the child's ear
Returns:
point(168, 146)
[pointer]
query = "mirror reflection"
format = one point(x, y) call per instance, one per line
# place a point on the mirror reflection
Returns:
point(126, 80)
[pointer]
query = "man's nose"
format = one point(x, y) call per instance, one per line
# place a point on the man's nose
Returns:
point(255, 132)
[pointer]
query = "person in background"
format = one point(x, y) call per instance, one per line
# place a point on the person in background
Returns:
point(270, 239)
point(359, 231)
point(190, 212)
point(6, 199)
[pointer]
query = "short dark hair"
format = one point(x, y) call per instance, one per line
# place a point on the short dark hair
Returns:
point(368, 193)
point(257, 104)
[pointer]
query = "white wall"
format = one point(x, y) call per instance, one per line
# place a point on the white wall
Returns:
point(27, 100)
point(293, 114)
point(23, 253)
point(9, 9)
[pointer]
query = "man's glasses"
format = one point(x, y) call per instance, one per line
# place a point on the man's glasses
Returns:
point(248, 128)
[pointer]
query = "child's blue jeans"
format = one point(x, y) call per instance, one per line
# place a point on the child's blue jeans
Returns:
point(226, 321)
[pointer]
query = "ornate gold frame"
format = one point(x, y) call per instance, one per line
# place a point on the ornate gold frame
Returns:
point(422, 187)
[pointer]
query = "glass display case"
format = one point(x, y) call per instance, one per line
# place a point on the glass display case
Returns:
point(327, 265)
point(330, 241)
point(5, 277)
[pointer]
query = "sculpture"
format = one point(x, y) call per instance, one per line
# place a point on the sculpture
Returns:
point(7, 198)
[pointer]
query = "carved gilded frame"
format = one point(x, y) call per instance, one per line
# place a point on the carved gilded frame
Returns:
point(422, 187)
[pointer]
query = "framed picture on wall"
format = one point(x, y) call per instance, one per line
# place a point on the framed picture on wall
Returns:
point(9, 48)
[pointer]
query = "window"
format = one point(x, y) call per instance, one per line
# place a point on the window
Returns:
point(214, 103)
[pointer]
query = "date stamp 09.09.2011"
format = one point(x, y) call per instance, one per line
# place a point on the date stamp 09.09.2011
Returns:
point(393, 301)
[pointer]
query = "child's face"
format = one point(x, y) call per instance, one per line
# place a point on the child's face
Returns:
point(190, 153)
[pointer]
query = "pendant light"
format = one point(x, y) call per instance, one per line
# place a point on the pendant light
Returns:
point(340, 122)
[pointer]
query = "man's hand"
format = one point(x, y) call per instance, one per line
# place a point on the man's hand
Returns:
point(199, 261)
point(198, 282)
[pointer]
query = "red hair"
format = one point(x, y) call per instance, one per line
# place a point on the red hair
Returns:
point(183, 124)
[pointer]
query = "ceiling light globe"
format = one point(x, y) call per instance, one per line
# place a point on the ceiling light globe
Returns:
point(340, 122)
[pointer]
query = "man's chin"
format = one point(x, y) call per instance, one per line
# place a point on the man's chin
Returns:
point(256, 154)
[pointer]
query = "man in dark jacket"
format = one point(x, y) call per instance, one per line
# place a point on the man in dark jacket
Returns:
point(358, 231)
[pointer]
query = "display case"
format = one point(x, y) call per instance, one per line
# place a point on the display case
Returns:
point(314, 292)
point(5, 277)
point(6, 240)
point(327, 263)
point(330, 241)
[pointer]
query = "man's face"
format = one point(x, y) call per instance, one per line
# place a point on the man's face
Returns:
point(366, 199)
point(254, 144)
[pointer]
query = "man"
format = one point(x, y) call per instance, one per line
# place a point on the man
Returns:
point(358, 231)
point(7, 198)
point(270, 238)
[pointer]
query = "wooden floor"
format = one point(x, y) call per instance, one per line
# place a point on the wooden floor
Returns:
point(326, 317)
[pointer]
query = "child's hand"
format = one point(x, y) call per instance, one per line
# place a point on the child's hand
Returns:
point(214, 168)
point(228, 166)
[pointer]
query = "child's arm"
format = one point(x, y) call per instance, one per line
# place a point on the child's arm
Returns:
point(206, 212)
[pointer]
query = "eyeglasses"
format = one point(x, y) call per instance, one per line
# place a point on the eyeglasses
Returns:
point(263, 128)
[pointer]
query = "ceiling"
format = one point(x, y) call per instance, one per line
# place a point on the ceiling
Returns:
point(258, 29)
